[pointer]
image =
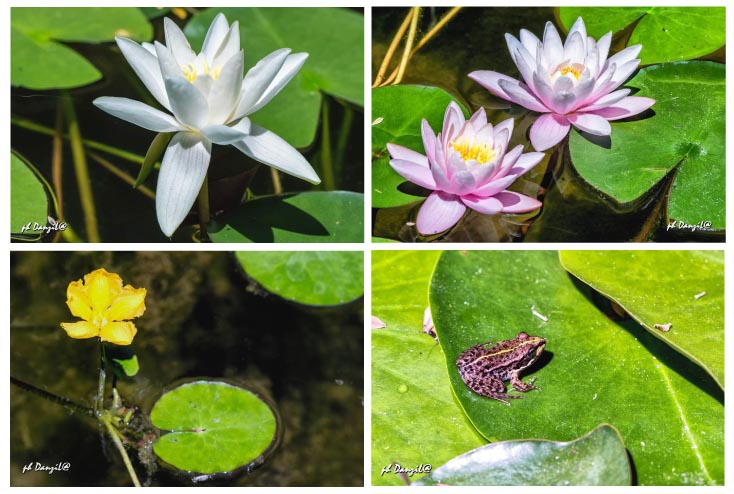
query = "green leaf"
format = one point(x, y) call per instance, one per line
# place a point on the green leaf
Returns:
point(667, 34)
point(594, 370)
point(660, 287)
point(152, 156)
point(688, 128)
point(123, 360)
point(154, 12)
point(397, 112)
point(332, 37)
point(39, 61)
point(215, 427)
point(312, 278)
point(335, 216)
point(28, 195)
point(598, 458)
point(415, 418)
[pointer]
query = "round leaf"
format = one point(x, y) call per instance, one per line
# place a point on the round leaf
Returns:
point(215, 427)
point(682, 288)
point(667, 34)
point(397, 112)
point(28, 196)
point(598, 458)
point(688, 130)
point(334, 216)
point(668, 410)
point(332, 37)
point(312, 278)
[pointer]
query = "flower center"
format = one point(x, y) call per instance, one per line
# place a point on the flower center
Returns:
point(471, 150)
point(99, 320)
point(575, 69)
point(192, 71)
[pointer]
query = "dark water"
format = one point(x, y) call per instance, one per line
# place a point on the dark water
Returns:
point(572, 212)
point(203, 318)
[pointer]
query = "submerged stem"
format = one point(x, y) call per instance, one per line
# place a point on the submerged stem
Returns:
point(125, 177)
point(392, 48)
point(408, 44)
point(66, 402)
point(327, 165)
point(204, 209)
point(99, 402)
point(121, 448)
point(57, 161)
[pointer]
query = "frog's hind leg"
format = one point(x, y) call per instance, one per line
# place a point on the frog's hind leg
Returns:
point(489, 387)
point(521, 386)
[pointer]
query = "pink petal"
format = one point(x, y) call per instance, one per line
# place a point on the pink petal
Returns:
point(508, 124)
point(548, 131)
point(575, 50)
point(416, 173)
point(484, 205)
point(518, 93)
point(377, 323)
point(495, 186)
point(490, 81)
point(603, 46)
point(479, 119)
point(607, 100)
point(399, 152)
point(439, 212)
point(529, 41)
point(626, 55)
point(453, 121)
point(513, 202)
point(429, 140)
point(552, 45)
point(526, 162)
point(591, 123)
point(622, 74)
point(631, 105)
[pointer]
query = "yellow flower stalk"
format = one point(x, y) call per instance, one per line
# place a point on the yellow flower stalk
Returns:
point(105, 307)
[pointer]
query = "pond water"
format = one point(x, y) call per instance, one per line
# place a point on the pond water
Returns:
point(204, 317)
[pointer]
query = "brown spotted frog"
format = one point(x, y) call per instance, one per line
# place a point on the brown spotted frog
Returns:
point(485, 368)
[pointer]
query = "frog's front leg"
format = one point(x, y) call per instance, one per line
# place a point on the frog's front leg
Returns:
point(489, 387)
point(519, 385)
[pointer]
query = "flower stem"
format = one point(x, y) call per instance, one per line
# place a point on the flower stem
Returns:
point(277, 186)
point(99, 402)
point(392, 48)
point(121, 448)
point(341, 145)
point(57, 161)
point(408, 44)
point(204, 209)
point(327, 165)
point(80, 168)
point(66, 402)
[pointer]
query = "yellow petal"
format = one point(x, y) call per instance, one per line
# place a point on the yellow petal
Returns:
point(102, 288)
point(119, 333)
point(129, 304)
point(79, 330)
point(77, 300)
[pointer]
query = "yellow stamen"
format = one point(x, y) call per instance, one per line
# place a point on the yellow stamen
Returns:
point(471, 150)
point(575, 69)
point(191, 72)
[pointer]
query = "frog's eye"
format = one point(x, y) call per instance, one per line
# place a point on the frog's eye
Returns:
point(522, 335)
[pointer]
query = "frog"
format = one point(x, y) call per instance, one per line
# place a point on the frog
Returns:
point(486, 367)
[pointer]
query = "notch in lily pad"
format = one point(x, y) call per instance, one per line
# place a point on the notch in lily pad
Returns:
point(213, 429)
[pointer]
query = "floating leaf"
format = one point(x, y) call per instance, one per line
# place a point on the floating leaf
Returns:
point(397, 112)
point(312, 278)
point(667, 34)
point(332, 37)
point(39, 61)
point(594, 370)
point(688, 129)
point(215, 427)
point(660, 287)
point(598, 458)
point(28, 196)
point(335, 216)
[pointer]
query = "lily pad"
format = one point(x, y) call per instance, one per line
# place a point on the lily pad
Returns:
point(598, 458)
point(335, 216)
point(215, 427)
point(415, 418)
point(667, 34)
point(661, 287)
point(334, 40)
point(397, 112)
point(40, 61)
point(312, 278)
point(669, 412)
point(29, 195)
point(687, 130)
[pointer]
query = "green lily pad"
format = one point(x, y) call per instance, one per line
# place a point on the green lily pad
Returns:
point(598, 458)
point(335, 216)
point(39, 61)
point(332, 37)
point(415, 418)
point(660, 287)
point(668, 411)
point(688, 130)
point(29, 195)
point(215, 427)
point(312, 278)
point(397, 112)
point(667, 34)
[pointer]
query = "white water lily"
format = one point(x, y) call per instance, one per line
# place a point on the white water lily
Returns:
point(210, 102)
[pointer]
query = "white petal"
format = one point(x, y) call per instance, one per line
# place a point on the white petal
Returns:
point(225, 90)
point(187, 103)
point(138, 113)
point(221, 134)
point(290, 68)
point(178, 44)
point(267, 147)
point(168, 65)
point(259, 78)
point(182, 172)
point(145, 65)
point(214, 37)
point(229, 45)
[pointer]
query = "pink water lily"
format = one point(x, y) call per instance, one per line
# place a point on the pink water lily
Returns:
point(467, 166)
point(571, 83)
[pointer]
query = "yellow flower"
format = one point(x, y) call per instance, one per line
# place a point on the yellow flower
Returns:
point(104, 305)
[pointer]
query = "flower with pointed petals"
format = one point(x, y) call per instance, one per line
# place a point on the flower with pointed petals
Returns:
point(104, 306)
point(467, 165)
point(571, 83)
point(210, 102)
